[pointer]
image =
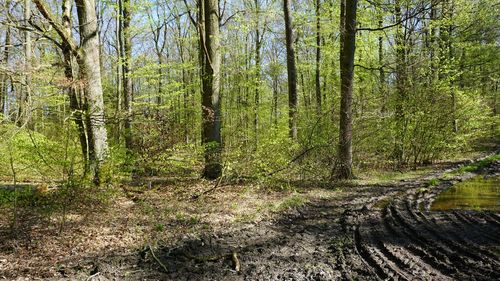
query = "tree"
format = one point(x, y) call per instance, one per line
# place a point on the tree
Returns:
point(4, 79)
point(292, 72)
point(126, 73)
point(343, 169)
point(119, 67)
point(24, 114)
point(258, 45)
point(399, 41)
point(75, 101)
point(90, 74)
point(381, 71)
point(88, 58)
point(211, 137)
point(318, 57)
point(159, 30)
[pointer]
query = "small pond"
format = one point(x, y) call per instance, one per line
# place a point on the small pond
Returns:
point(478, 193)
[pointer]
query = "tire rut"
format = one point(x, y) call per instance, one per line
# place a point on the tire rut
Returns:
point(405, 240)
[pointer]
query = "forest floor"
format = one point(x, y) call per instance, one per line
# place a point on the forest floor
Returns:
point(366, 230)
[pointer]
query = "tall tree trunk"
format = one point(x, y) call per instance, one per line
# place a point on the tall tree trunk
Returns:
point(24, 114)
point(447, 52)
point(184, 73)
point(74, 101)
point(381, 71)
point(399, 153)
point(211, 138)
point(343, 169)
point(292, 72)
point(160, 79)
point(127, 79)
point(305, 91)
point(318, 57)
point(91, 76)
point(274, 113)
point(119, 69)
point(246, 101)
point(432, 36)
point(257, 72)
point(4, 79)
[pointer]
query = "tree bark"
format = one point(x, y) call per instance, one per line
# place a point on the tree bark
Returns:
point(24, 114)
point(74, 102)
point(4, 79)
point(127, 79)
point(399, 151)
point(343, 169)
point(184, 75)
point(447, 52)
point(292, 72)
point(318, 57)
point(381, 71)
point(91, 76)
point(119, 70)
point(274, 110)
point(257, 72)
point(211, 138)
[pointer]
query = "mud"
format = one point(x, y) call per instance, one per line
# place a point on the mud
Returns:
point(368, 233)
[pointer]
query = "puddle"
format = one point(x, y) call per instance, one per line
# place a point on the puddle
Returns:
point(478, 193)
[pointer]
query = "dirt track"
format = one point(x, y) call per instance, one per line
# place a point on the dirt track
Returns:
point(406, 241)
point(367, 233)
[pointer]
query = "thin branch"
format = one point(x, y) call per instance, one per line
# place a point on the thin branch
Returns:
point(230, 17)
point(396, 23)
point(188, 10)
point(157, 260)
point(368, 68)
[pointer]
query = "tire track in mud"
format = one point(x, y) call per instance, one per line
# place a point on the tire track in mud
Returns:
point(405, 240)
point(379, 232)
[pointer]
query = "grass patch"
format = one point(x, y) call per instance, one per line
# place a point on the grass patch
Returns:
point(479, 164)
point(187, 219)
point(293, 201)
point(385, 176)
point(433, 182)
point(473, 166)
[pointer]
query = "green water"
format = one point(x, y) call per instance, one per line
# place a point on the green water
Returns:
point(475, 194)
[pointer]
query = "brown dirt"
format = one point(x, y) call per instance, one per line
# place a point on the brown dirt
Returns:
point(365, 232)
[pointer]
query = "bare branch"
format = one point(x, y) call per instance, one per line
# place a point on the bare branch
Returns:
point(42, 7)
point(193, 21)
point(409, 17)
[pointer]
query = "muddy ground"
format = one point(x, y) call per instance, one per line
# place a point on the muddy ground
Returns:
point(368, 232)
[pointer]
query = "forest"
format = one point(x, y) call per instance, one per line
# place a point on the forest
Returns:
point(249, 139)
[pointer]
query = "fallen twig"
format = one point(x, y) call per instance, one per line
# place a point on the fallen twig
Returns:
point(157, 260)
point(92, 276)
point(236, 262)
